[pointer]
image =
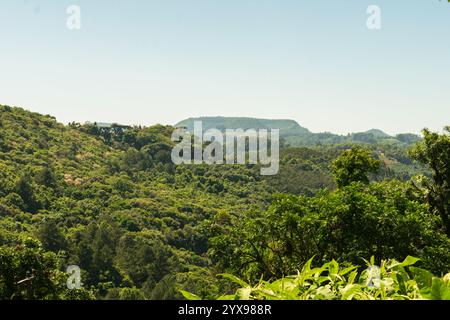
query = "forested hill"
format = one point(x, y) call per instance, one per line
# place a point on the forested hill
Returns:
point(112, 203)
point(296, 135)
point(287, 127)
point(108, 198)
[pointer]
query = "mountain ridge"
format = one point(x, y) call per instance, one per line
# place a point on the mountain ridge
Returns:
point(287, 126)
point(294, 133)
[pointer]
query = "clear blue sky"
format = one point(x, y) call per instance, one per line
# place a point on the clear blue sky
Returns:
point(147, 62)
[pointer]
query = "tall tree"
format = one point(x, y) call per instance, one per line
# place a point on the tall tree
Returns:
point(434, 151)
point(354, 165)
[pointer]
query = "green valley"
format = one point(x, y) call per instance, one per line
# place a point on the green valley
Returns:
point(108, 198)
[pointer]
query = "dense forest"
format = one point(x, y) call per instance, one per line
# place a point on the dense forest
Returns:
point(109, 200)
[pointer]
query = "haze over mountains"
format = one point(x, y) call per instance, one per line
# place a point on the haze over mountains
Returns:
point(294, 134)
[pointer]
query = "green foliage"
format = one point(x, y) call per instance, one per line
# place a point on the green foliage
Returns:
point(108, 199)
point(29, 272)
point(392, 280)
point(51, 236)
point(303, 171)
point(434, 151)
point(380, 219)
point(354, 165)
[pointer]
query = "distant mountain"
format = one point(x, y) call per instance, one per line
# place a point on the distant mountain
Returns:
point(378, 133)
point(287, 127)
point(296, 135)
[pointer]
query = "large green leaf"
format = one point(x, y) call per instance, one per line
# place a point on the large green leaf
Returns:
point(440, 290)
point(409, 261)
point(423, 278)
point(190, 296)
point(235, 279)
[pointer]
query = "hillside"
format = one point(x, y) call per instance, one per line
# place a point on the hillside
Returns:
point(377, 133)
point(109, 200)
point(287, 127)
point(112, 200)
point(296, 135)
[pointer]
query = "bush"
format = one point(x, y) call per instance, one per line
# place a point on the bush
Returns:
point(392, 280)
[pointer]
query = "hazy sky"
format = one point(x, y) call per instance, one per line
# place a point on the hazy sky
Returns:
point(147, 62)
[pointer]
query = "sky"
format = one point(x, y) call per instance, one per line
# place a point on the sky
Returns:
point(148, 61)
